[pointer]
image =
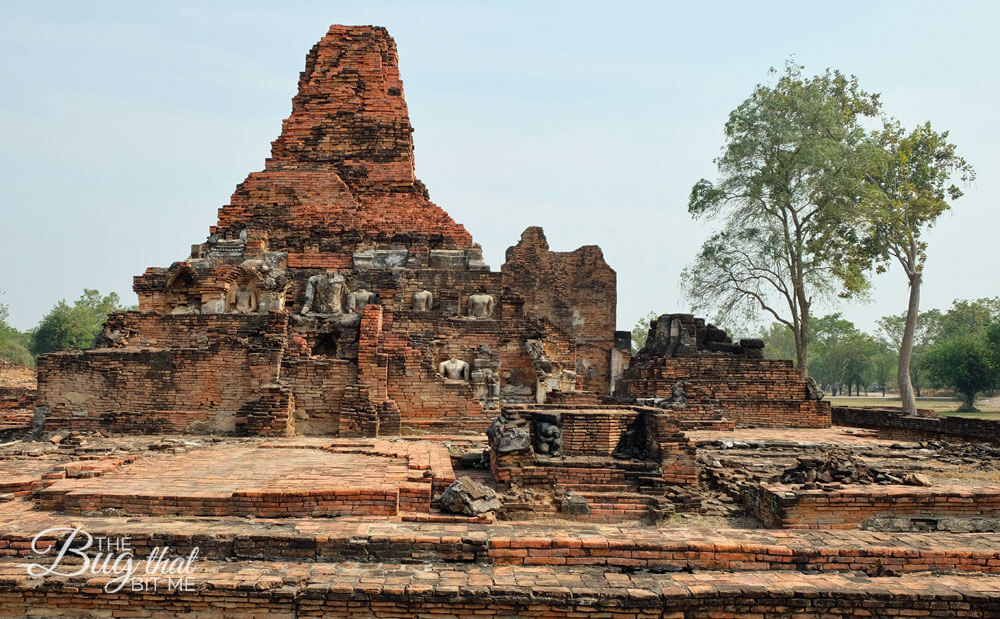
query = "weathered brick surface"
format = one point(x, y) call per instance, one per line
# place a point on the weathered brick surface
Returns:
point(576, 291)
point(893, 423)
point(523, 543)
point(318, 388)
point(750, 392)
point(618, 486)
point(221, 338)
point(358, 589)
point(791, 507)
point(375, 478)
point(17, 396)
point(342, 167)
point(203, 364)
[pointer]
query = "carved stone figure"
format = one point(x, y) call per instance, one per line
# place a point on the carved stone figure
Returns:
point(214, 306)
point(423, 301)
point(357, 300)
point(324, 294)
point(454, 369)
point(244, 302)
point(679, 338)
point(676, 400)
point(481, 305)
point(813, 390)
point(548, 438)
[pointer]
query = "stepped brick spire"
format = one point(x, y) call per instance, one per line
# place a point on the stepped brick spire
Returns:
point(340, 177)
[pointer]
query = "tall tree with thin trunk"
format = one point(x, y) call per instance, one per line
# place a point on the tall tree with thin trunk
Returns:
point(914, 184)
point(791, 183)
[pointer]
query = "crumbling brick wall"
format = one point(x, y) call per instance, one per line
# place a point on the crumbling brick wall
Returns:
point(199, 363)
point(576, 291)
point(318, 386)
point(338, 198)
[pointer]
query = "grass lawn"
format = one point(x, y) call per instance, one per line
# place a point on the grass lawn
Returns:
point(942, 406)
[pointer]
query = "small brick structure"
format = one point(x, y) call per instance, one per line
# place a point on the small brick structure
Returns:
point(734, 377)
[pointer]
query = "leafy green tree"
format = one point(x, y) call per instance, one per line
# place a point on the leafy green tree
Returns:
point(641, 331)
point(13, 343)
point(75, 326)
point(791, 184)
point(842, 355)
point(965, 363)
point(779, 343)
point(993, 344)
point(967, 316)
point(884, 365)
point(829, 353)
point(862, 354)
point(915, 186)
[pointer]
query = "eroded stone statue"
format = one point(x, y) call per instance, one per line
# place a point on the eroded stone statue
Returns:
point(357, 300)
point(813, 390)
point(324, 294)
point(423, 301)
point(244, 300)
point(481, 305)
point(548, 438)
point(676, 400)
point(454, 369)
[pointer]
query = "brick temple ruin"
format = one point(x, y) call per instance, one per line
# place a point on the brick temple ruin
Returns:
point(333, 297)
point(346, 412)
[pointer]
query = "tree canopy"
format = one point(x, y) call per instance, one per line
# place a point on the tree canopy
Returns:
point(965, 363)
point(13, 344)
point(792, 178)
point(641, 330)
point(74, 326)
point(913, 178)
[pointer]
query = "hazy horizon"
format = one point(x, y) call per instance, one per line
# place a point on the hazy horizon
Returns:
point(126, 126)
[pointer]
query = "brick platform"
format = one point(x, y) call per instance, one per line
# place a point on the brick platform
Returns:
point(394, 590)
point(790, 507)
point(291, 478)
point(610, 546)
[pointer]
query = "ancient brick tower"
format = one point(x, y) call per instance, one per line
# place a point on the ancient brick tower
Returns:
point(333, 296)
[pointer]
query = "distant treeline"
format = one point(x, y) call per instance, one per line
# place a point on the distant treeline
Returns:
point(65, 326)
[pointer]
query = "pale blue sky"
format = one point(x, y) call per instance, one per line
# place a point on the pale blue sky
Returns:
point(125, 125)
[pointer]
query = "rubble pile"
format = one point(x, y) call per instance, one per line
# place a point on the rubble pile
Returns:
point(841, 467)
point(980, 455)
